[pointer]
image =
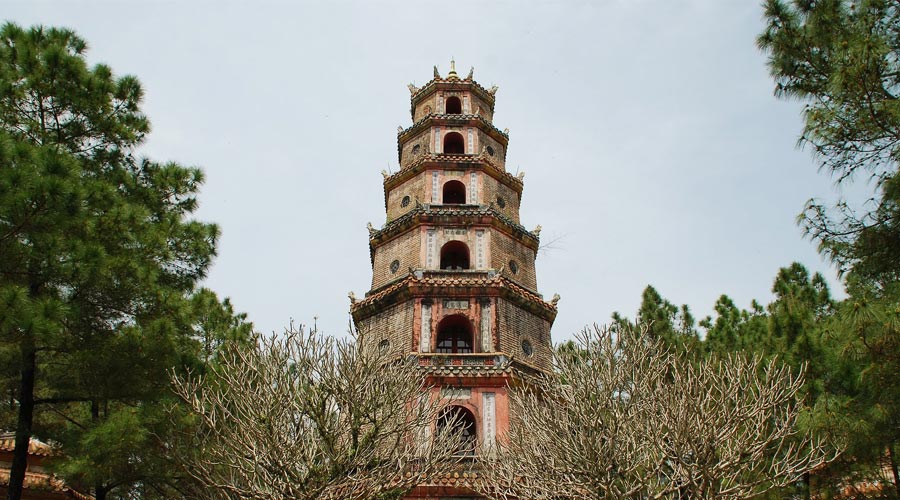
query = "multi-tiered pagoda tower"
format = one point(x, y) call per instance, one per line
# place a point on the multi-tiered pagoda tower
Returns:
point(453, 275)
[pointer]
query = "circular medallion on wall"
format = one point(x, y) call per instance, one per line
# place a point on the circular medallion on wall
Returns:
point(501, 202)
point(427, 110)
point(526, 348)
point(395, 266)
point(490, 151)
point(384, 345)
point(514, 267)
point(405, 202)
point(416, 149)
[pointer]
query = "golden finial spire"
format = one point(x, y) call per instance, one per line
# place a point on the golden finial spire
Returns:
point(452, 73)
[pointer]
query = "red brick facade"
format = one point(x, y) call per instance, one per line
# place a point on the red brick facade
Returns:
point(453, 276)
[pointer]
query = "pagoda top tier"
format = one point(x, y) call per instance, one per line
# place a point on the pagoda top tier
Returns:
point(452, 95)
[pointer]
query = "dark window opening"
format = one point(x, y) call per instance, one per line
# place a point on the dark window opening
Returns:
point(454, 193)
point(454, 107)
point(461, 420)
point(455, 256)
point(454, 335)
point(454, 144)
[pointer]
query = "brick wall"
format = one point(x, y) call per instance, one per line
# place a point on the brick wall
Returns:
point(404, 248)
point(515, 325)
point(492, 189)
point(503, 250)
point(414, 188)
point(409, 153)
point(483, 140)
point(393, 324)
point(425, 107)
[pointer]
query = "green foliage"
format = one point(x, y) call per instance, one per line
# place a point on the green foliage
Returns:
point(842, 59)
point(661, 319)
point(98, 263)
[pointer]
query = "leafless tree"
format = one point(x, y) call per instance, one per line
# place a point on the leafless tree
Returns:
point(627, 417)
point(305, 416)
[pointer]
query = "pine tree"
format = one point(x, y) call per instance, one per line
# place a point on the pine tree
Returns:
point(98, 257)
point(842, 59)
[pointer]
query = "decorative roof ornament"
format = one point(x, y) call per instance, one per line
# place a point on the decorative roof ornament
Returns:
point(537, 230)
point(352, 297)
point(471, 74)
point(370, 228)
point(399, 128)
point(520, 175)
point(437, 76)
point(452, 75)
point(555, 299)
point(384, 173)
point(412, 88)
point(493, 90)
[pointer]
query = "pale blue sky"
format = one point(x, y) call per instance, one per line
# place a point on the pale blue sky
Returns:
point(652, 145)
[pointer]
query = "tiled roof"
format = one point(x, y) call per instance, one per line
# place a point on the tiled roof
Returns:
point(482, 157)
point(436, 81)
point(455, 116)
point(45, 482)
point(35, 447)
point(415, 278)
point(453, 211)
point(37, 481)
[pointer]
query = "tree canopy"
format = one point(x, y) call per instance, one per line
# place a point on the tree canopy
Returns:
point(98, 258)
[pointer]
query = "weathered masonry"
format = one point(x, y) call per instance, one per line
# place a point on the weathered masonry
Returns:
point(453, 270)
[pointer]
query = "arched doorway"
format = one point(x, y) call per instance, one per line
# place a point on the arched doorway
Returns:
point(455, 256)
point(454, 144)
point(454, 335)
point(454, 193)
point(461, 420)
point(454, 107)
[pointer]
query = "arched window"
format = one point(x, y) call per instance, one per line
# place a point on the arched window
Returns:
point(454, 193)
point(461, 420)
point(454, 144)
point(454, 107)
point(454, 335)
point(455, 256)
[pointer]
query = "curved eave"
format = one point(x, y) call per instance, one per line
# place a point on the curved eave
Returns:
point(442, 160)
point(432, 119)
point(413, 286)
point(485, 215)
point(447, 161)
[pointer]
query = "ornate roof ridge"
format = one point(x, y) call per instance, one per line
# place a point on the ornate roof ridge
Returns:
point(428, 209)
point(414, 277)
point(403, 132)
point(419, 91)
point(481, 157)
point(35, 446)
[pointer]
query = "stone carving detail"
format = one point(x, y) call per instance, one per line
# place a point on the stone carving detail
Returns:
point(430, 241)
point(479, 249)
point(456, 304)
point(489, 416)
point(487, 336)
point(435, 187)
point(425, 333)
point(456, 392)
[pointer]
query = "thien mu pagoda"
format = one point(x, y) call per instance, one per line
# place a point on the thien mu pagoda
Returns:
point(453, 270)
